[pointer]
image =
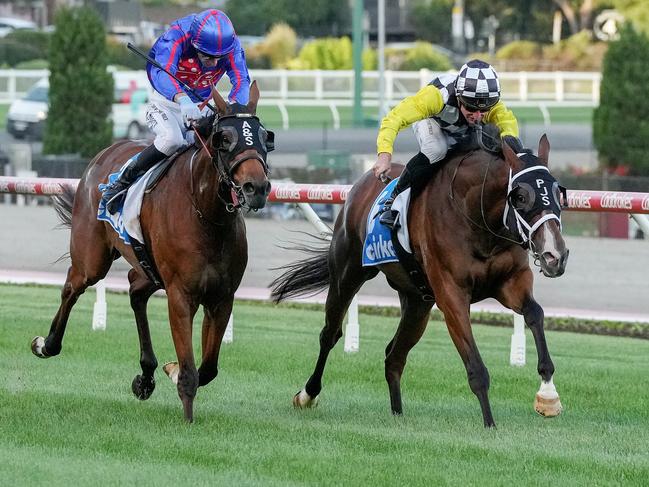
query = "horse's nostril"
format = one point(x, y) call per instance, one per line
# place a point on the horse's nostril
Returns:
point(267, 188)
point(550, 259)
point(248, 188)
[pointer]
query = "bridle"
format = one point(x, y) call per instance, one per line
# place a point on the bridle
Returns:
point(225, 171)
point(523, 228)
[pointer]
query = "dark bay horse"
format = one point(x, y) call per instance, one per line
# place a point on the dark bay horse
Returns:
point(470, 229)
point(195, 235)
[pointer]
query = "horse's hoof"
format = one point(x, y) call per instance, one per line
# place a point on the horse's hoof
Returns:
point(172, 369)
point(548, 406)
point(143, 387)
point(302, 400)
point(38, 347)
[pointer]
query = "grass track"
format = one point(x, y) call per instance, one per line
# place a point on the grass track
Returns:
point(319, 117)
point(73, 417)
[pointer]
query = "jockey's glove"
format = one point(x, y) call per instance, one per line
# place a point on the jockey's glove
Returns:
point(516, 144)
point(189, 110)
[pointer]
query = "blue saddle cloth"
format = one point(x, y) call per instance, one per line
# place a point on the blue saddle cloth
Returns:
point(378, 248)
point(116, 220)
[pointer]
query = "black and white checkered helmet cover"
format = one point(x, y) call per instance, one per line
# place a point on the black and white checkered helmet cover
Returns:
point(477, 80)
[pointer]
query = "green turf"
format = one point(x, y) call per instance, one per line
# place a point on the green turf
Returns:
point(73, 420)
point(319, 117)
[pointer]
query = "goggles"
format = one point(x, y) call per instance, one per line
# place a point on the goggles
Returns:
point(481, 105)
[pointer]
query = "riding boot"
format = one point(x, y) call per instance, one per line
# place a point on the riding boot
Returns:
point(414, 167)
point(141, 163)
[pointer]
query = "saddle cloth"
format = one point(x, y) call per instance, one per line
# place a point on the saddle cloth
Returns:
point(126, 221)
point(378, 248)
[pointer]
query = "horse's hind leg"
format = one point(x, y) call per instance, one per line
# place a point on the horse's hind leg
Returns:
point(516, 294)
point(414, 318)
point(347, 277)
point(140, 291)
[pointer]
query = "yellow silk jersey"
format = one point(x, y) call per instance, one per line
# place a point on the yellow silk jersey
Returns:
point(438, 101)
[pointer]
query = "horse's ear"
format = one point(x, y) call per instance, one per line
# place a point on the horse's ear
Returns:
point(544, 150)
point(253, 98)
point(510, 157)
point(221, 104)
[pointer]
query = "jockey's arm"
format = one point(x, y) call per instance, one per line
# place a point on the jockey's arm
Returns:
point(504, 119)
point(167, 51)
point(238, 74)
point(424, 104)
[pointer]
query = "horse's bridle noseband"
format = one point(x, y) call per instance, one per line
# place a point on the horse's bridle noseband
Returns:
point(225, 172)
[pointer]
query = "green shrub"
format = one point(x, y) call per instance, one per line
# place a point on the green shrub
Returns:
point(117, 54)
point(13, 52)
point(424, 56)
point(577, 52)
point(280, 45)
point(519, 50)
point(81, 89)
point(370, 60)
point(620, 127)
point(33, 64)
point(325, 53)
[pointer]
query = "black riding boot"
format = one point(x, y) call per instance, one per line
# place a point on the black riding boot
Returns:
point(115, 192)
point(417, 165)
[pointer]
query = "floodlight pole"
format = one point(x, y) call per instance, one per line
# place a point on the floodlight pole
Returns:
point(357, 36)
point(381, 55)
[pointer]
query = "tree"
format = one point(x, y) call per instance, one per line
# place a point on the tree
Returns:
point(635, 11)
point(81, 89)
point(620, 125)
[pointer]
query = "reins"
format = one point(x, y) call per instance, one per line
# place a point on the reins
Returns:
point(224, 175)
point(486, 227)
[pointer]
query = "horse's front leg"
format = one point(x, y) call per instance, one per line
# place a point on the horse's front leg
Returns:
point(140, 291)
point(183, 373)
point(516, 294)
point(214, 325)
point(454, 302)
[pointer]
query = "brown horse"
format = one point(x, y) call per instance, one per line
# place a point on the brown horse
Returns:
point(466, 252)
point(195, 235)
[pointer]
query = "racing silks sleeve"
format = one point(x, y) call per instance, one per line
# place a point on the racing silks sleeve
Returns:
point(238, 74)
point(167, 51)
point(423, 104)
point(503, 118)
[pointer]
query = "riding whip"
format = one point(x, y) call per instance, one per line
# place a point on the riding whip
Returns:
point(155, 63)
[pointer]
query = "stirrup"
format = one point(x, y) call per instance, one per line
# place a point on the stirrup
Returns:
point(113, 200)
point(388, 218)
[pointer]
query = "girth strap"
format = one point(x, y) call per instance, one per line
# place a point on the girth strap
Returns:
point(412, 267)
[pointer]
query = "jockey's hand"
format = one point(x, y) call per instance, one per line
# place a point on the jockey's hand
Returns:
point(189, 110)
point(382, 165)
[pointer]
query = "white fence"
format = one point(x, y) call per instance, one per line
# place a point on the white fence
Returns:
point(320, 88)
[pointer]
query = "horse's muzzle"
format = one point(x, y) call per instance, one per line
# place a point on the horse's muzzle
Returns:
point(553, 265)
point(256, 194)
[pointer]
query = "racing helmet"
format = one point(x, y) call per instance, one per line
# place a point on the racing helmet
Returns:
point(213, 33)
point(477, 86)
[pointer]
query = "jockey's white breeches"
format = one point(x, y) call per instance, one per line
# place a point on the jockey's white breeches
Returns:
point(433, 141)
point(164, 120)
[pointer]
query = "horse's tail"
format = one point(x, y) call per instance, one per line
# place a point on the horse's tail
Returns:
point(63, 205)
point(305, 277)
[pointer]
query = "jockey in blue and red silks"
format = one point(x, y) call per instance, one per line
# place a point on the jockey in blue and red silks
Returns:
point(198, 49)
